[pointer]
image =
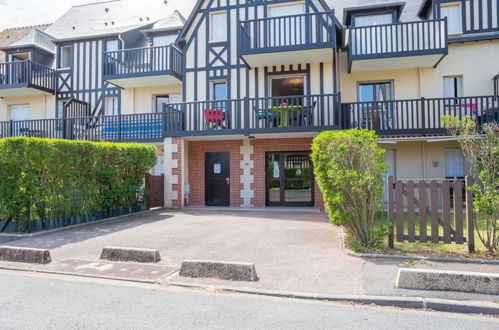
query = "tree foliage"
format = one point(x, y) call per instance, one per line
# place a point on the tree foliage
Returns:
point(44, 178)
point(480, 145)
point(350, 167)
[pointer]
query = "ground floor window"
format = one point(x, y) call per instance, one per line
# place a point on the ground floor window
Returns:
point(289, 179)
point(454, 163)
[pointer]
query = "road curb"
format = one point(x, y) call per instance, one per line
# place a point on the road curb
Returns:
point(50, 231)
point(443, 305)
point(421, 258)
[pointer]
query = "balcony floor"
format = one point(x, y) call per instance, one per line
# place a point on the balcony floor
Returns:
point(266, 58)
point(144, 81)
point(22, 91)
point(394, 63)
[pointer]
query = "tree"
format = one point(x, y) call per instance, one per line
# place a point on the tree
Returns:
point(349, 167)
point(480, 145)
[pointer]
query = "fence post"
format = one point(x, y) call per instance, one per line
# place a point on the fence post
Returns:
point(423, 117)
point(119, 126)
point(11, 128)
point(470, 223)
point(163, 121)
point(246, 125)
point(389, 187)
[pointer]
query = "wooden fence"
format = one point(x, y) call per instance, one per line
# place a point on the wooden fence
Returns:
point(447, 205)
point(155, 186)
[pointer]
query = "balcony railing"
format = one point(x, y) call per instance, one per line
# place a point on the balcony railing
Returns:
point(496, 84)
point(137, 127)
point(254, 115)
point(399, 39)
point(137, 62)
point(418, 116)
point(27, 74)
point(293, 32)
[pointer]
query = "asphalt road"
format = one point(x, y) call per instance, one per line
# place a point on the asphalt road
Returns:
point(31, 301)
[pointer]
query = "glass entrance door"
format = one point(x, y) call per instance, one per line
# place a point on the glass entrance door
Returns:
point(289, 179)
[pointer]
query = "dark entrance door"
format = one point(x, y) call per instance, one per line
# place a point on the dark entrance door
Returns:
point(217, 179)
point(289, 179)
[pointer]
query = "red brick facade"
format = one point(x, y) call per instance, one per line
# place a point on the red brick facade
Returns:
point(197, 151)
point(196, 162)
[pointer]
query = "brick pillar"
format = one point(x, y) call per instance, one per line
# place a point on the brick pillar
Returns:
point(247, 178)
point(173, 172)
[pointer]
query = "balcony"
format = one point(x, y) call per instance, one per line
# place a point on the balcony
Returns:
point(141, 67)
point(146, 127)
point(397, 46)
point(418, 116)
point(308, 113)
point(293, 39)
point(25, 78)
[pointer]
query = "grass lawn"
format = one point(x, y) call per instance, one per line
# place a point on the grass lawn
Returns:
point(436, 249)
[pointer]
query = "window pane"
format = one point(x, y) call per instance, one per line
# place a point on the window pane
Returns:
point(220, 91)
point(297, 191)
point(369, 20)
point(274, 191)
point(218, 29)
point(288, 86)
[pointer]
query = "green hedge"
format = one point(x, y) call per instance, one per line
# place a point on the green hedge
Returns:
point(46, 178)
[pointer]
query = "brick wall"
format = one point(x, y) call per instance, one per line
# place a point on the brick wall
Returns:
point(268, 145)
point(197, 150)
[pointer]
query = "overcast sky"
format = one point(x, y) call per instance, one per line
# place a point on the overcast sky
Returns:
point(31, 12)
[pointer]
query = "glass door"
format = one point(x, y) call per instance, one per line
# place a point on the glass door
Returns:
point(289, 179)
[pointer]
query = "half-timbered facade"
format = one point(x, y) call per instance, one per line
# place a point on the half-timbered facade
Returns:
point(232, 92)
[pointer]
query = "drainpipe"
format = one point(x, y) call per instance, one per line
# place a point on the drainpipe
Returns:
point(122, 40)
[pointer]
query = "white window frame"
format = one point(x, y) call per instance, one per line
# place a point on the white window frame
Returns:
point(211, 33)
point(212, 87)
point(458, 89)
point(446, 153)
point(62, 64)
point(106, 106)
point(387, 13)
point(459, 18)
point(20, 105)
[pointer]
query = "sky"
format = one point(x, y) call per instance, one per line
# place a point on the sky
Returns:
point(15, 13)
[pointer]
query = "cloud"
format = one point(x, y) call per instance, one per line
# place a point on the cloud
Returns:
point(31, 12)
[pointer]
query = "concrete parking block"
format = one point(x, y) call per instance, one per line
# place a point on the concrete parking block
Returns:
point(444, 280)
point(234, 271)
point(20, 254)
point(124, 254)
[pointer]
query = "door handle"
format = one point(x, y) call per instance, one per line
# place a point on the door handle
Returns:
point(228, 180)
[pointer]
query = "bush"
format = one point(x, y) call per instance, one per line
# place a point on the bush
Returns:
point(44, 178)
point(349, 167)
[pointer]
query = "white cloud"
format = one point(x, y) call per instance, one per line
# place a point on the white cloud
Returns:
point(31, 12)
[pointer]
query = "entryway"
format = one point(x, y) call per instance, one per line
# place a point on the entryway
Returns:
point(289, 179)
point(217, 179)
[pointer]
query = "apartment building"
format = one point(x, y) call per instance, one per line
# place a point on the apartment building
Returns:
point(232, 92)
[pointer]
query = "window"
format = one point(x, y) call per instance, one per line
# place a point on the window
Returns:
point(218, 27)
point(289, 31)
point(112, 45)
point(375, 92)
point(112, 106)
point(19, 112)
point(65, 57)
point(375, 114)
point(454, 163)
point(287, 86)
point(219, 91)
point(453, 13)
point(453, 86)
point(60, 109)
point(369, 20)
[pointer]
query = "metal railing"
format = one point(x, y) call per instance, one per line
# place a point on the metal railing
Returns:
point(418, 116)
point(398, 39)
point(134, 127)
point(27, 74)
point(143, 61)
point(313, 30)
point(253, 115)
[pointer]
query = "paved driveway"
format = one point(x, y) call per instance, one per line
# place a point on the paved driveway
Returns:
point(292, 250)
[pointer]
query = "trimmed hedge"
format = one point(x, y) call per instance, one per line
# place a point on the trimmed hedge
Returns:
point(47, 178)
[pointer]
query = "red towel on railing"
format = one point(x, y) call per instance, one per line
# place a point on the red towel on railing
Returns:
point(213, 115)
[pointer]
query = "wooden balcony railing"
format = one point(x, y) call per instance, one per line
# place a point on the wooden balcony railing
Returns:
point(417, 116)
point(254, 115)
point(142, 62)
point(293, 32)
point(496, 84)
point(399, 39)
point(27, 74)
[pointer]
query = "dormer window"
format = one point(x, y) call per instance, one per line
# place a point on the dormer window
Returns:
point(373, 19)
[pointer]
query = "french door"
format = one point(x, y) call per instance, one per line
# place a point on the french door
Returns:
point(289, 179)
